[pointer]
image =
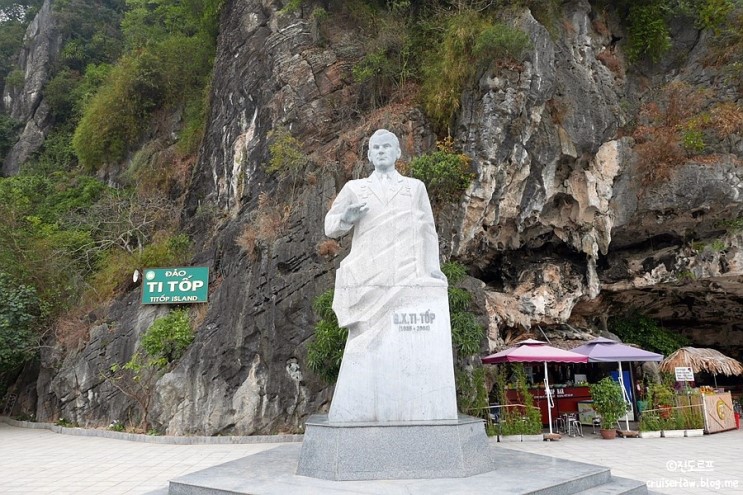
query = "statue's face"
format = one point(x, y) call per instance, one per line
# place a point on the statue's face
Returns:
point(384, 152)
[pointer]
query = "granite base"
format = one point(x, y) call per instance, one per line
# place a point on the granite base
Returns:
point(273, 472)
point(391, 451)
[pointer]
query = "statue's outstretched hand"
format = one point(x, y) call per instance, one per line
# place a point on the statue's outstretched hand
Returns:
point(354, 212)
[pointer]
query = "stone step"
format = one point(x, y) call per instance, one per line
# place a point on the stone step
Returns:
point(617, 486)
point(272, 472)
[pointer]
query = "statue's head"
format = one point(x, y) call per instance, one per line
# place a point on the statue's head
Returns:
point(384, 150)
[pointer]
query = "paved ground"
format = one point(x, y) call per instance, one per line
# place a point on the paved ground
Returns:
point(40, 461)
point(678, 466)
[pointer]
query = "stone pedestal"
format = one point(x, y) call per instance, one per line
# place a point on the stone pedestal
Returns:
point(394, 450)
point(394, 410)
point(399, 365)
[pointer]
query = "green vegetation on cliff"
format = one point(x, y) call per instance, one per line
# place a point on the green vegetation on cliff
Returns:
point(170, 50)
point(646, 333)
point(69, 239)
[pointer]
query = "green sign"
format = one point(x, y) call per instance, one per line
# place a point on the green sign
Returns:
point(181, 285)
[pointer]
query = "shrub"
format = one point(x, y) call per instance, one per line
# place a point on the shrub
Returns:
point(55, 157)
point(36, 248)
point(163, 75)
point(168, 337)
point(532, 420)
point(693, 141)
point(328, 247)
point(266, 224)
point(19, 313)
point(650, 421)
point(726, 48)
point(115, 266)
point(454, 272)
point(291, 6)
point(517, 419)
point(9, 128)
point(287, 158)
point(646, 333)
point(466, 333)
point(60, 93)
point(116, 425)
point(389, 61)
point(712, 14)
point(115, 116)
point(500, 41)
point(11, 40)
point(445, 173)
point(325, 351)
point(194, 120)
point(665, 126)
point(660, 395)
point(648, 32)
point(469, 41)
point(15, 79)
point(137, 379)
point(472, 396)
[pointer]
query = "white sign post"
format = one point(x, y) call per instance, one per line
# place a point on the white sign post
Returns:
point(684, 374)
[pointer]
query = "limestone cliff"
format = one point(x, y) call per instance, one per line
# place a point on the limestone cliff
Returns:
point(572, 213)
point(26, 104)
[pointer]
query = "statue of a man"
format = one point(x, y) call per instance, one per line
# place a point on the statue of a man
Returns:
point(386, 289)
point(394, 239)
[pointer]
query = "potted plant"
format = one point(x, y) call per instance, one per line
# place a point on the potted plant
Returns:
point(521, 422)
point(608, 402)
point(661, 397)
point(673, 426)
point(693, 421)
point(509, 424)
point(509, 429)
point(650, 424)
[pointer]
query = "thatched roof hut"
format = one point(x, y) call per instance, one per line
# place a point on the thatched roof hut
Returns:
point(701, 359)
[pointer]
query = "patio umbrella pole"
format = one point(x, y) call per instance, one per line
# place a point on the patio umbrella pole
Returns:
point(548, 392)
point(625, 397)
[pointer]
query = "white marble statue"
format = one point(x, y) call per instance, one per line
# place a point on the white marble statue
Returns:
point(391, 295)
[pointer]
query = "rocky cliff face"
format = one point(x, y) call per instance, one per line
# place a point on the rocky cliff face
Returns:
point(26, 104)
point(572, 214)
point(568, 218)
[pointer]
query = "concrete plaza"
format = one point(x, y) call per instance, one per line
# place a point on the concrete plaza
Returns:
point(36, 461)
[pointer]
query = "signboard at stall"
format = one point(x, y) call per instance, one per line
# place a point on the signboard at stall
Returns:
point(586, 413)
point(684, 374)
point(718, 412)
point(181, 285)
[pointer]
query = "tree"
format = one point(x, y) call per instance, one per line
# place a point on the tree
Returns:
point(20, 311)
point(162, 344)
point(122, 220)
point(136, 379)
point(35, 250)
